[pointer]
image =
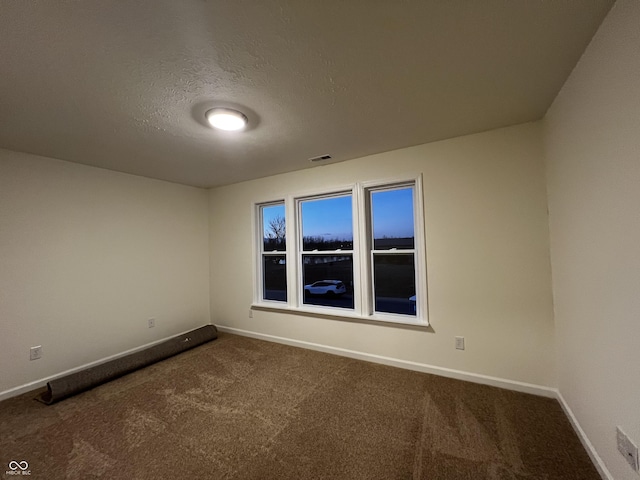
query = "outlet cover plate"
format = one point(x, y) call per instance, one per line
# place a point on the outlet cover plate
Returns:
point(460, 343)
point(627, 448)
point(35, 352)
point(152, 322)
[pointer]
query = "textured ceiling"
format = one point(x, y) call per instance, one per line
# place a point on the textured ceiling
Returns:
point(124, 85)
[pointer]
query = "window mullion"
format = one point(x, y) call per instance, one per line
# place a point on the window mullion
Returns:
point(420, 252)
point(362, 232)
point(292, 245)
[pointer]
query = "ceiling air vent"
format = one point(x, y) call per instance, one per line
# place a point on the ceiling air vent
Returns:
point(320, 158)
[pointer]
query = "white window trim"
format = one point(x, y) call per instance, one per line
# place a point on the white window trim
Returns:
point(258, 252)
point(362, 263)
point(419, 248)
point(299, 251)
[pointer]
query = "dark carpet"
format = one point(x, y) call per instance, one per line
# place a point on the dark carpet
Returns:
point(240, 408)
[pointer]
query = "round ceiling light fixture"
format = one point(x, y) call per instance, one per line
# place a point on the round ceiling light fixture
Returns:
point(226, 119)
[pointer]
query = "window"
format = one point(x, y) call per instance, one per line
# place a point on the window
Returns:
point(326, 256)
point(273, 252)
point(353, 252)
point(392, 250)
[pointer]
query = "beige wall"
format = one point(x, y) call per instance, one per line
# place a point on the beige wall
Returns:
point(487, 248)
point(88, 255)
point(592, 136)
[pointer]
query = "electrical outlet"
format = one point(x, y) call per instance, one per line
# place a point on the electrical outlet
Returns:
point(459, 343)
point(627, 448)
point(152, 322)
point(35, 352)
point(250, 313)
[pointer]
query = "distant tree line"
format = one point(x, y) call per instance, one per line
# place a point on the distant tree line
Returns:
point(321, 243)
point(276, 232)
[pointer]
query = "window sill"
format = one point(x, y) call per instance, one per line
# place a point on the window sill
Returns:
point(337, 314)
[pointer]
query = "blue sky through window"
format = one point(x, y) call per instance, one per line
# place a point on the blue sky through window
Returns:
point(330, 218)
point(392, 213)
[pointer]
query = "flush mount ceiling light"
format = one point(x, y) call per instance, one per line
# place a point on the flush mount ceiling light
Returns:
point(226, 119)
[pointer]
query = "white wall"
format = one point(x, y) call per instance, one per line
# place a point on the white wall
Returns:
point(88, 255)
point(487, 248)
point(592, 136)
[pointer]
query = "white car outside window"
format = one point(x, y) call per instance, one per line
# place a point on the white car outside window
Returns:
point(325, 287)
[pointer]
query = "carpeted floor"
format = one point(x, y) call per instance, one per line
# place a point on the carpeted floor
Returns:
point(243, 409)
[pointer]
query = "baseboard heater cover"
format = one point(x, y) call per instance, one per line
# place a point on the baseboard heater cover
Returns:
point(75, 383)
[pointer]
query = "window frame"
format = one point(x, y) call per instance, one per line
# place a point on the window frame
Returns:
point(260, 253)
point(362, 254)
point(370, 240)
point(300, 252)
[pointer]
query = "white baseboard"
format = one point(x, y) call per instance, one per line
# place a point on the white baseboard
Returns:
point(394, 362)
point(586, 443)
point(12, 392)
